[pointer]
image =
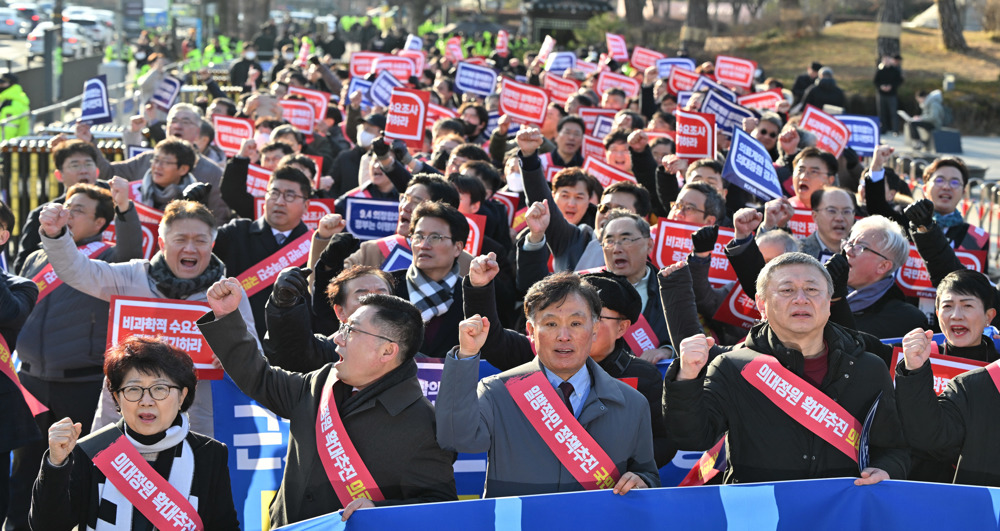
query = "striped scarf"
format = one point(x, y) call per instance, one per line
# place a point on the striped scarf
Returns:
point(431, 297)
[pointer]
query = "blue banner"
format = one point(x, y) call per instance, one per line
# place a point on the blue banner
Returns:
point(95, 109)
point(559, 62)
point(665, 65)
point(167, 92)
point(491, 125)
point(363, 86)
point(817, 505)
point(381, 89)
point(704, 85)
point(864, 137)
point(399, 258)
point(602, 126)
point(749, 166)
point(135, 151)
point(728, 114)
point(683, 97)
point(368, 219)
point(475, 79)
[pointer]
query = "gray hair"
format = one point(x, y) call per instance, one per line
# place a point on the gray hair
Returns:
point(780, 237)
point(892, 241)
point(826, 71)
point(772, 117)
point(178, 107)
point(789, 259)
point(619, 213)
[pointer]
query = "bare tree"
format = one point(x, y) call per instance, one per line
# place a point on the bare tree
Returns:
point(951, 26)
point(633, 12)
point(696, 27)
point(890, 15)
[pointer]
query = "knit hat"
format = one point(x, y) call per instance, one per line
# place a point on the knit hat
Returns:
point(616, 294)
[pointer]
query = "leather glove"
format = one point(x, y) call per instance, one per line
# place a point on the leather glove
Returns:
point(291, 286)
point(380, 148)
point(704, 239)
point(197, 192)
point(839, 269)
point(400, 151)
point(338, 249)
point(921, 213)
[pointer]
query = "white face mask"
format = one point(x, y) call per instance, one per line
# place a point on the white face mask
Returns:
point(365, 138)
point(261, 139)
point(515, 182)
point(289, 56)
point(250, 56)
point(140, 55)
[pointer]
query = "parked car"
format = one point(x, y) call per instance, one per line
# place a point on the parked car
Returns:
point(29, 12)
point(11, 23)
point(96, 30)
point(75, 43)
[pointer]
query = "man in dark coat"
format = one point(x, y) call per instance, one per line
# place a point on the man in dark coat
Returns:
point(388, 420)
point(824, 92)
point(805, 80)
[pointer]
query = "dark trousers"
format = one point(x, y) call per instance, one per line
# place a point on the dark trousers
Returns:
point(76, 400)
point(913, 132)
point(888, 104)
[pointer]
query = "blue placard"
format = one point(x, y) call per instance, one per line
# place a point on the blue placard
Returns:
point(368, 219)
point(665, 65)
point(704, 85)
point(95, 109)
point(603, 125)
point(683, 97)
point(559, 62)
point(864, 137)
point(381, 89)
point(399, 258)
point(167, 92)
point(475, 79)
point(135, 151)
point(491, 125)
point(363, 86)
point(413, 42)
point(728, 115)
point(749, 166)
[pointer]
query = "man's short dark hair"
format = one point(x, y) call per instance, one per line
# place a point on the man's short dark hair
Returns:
point(968, 282)
point(456, 221)
point(470, 151)
point(555, 289)
point(481, 112)
point(448, 125)
point(399, 320)
point(643, 204)
point(275, 145)
point(69, 148)
point(302, 160)
point(182, 150)
point(467, 184)
point(953, 162)
point(438, 188)
point(715, 205)
point(7, 218)
point(105, 204)
point(638, 121)
point(615, 91)
point(666, 117)
point(287, 129)
point(485, 172)
point(573, 175)
point(207, 130)
point(288, 173)
point(334, 292)
point(571, 119)
point(706, 163)
point(615, 137)
point(832, 166)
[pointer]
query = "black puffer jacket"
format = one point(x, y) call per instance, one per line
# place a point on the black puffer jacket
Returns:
point(765, 444)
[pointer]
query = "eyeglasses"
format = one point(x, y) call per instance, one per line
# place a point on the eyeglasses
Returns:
point(78, 211)
point(574, 134)
point(186, 122)
point(133, 393)
point(81, 165)
point(684, 208)
point(288, 195)
point(346, 330)
point(941, 181)
point(432, 239)
point(157, 161)
point(609, 318)
point(832, 212)
point(611, 243)
point(810, 172)
point(847, 246)
point(771, 134)
point(604, 208)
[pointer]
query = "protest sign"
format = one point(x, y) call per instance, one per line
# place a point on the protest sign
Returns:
point(695, 138)
point(361, 63)
point(802, 224)
point(401, 67)
point(407, 116)
point(559, 62)
point(502, 43)
point(150, 243)
point(560, 88)
point(363, 86)
point(523, 103)
point(587, 67)
point(602, 126)
point(419, 58)
point(643, 58)
point(413, 42)
point(166, 93)
point(864, 133)
point(666, 65)
point(590, 114)
point(231, 132)
point(548, 45)
point(604, 172)
point(95, 109)
point(831, 134)
point(617, 48)
point(381, 91)
point(317, 98)
point(135, 151)
point(681, 79)
point(728, 114)
point(944, 368)
point(300, 114)
point(607, 80)
point(673, 244)
point(749, 166)
point(705, 84)
point(593, 148)
point(738, 309)
point(257, 179)
point(315, 211)
point(734, 71)
point(762, 101)
point(477, 231)
point(475, 79)
point(914, 279)
point(368, 219)
point(453, 49)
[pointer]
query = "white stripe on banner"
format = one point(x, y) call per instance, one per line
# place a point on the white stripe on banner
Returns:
point(995, 494)
point(750, 507)
point(469, 465)
point(507, 514)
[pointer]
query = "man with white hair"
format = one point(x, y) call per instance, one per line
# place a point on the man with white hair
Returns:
point(875, 250)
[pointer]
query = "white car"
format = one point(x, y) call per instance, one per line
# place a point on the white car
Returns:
point(95, 29)
point(75, 43)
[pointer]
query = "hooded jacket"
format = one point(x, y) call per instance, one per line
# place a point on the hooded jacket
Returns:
point(13, 102)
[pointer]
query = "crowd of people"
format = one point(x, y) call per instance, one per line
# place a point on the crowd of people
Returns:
point(564, 278)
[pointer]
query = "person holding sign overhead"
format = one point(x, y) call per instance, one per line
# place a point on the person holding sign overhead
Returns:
point(150, 464)
point(362, 433)
point(794, 396)
point(183, 269)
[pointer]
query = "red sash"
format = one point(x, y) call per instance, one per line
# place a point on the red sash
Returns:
point(387, 244)
point(264, 274)
point(573, 446)
point(145, 488)
point(707, 466)
point(994, 370)
point(7, 367)
point(344, 468)
point(48, 281)
point(806, 405)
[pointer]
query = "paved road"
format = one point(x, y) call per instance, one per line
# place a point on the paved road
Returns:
point(13, 53)
point(982, 151)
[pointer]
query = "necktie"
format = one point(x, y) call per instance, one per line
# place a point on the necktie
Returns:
point(567, 389)
point(280, 238)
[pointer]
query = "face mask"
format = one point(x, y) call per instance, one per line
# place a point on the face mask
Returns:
point(365, 138)
point(261, 138)
point(289, 56)
point(515, 182)
point(250, 56)
point(140, 55)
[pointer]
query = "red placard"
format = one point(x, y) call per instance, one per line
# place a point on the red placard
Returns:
point(315, 211)
point(738, 309)
point(453, 49)
point(300, 114)
point(407, 116)
point(640, 336)
point(477, 230)
point(604, 172)
point(419, 59)
point(914, 279)
point(589, 68)
point(230, 132)
point(511, 202)
point(643, 58)
point(673, 244)
point(593, 148)
point(607, 80)
point(401, 67)
point(695, 136)
point(150, 244)
point(257, 179)
point(945, 368)
point(171, 319)
point(318, 161)
point(831, 133)
point(560, 88)
point(7, 368)
point(523, 103)
point(590, 114)
point(617, 48)
point(764, 101)
point(548, 44)
point(681, 80)
point(361, 63)
point(502, 43)
point(734, 71)
point(317, 98)
point(802, 224)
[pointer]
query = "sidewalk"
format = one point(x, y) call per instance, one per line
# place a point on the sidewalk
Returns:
point(982, 151)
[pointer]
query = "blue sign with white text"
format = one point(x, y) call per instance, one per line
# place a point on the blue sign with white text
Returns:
point(665, 65)
point(368, 219)
point(491, 125)
point(728, 114)
point(381, 89)
point(475, 79)
point(864, 137)
point(704, 84)
point(603, 125)
point(167, 92)
point(559, 62)
point(363, 86)
point(749, 166)
point(95, 109)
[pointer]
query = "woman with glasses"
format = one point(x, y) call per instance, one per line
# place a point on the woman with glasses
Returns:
point(147, 469)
